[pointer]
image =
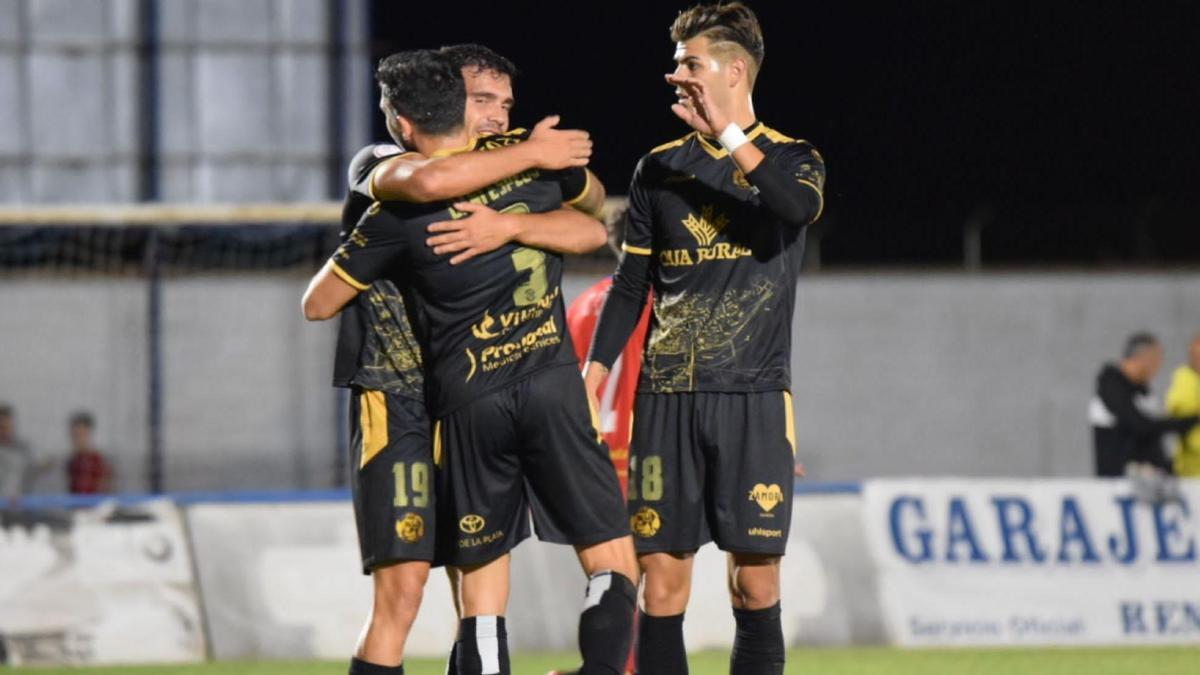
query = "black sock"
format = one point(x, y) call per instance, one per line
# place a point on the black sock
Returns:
point(451, 665)
point(482, 646)
point(359, 667)
point(606, 624)
point(660, 645)
point(758, 644)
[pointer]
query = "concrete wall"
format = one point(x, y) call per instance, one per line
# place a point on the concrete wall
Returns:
point(247, 401)
point(918, 374)
point(990, 375)
point(242, 104)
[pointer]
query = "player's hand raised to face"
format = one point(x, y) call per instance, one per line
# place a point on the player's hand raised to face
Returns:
point(483, 230)
point(696, 107)
point(559, 148)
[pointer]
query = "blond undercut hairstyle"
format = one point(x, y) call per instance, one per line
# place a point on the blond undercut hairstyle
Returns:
point(731, 28)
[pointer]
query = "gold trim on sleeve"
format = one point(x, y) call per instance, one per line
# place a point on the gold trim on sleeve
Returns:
point(636, 250)
point(820, 198)
point(587, 186)
point(377, 167)
point(345, 276)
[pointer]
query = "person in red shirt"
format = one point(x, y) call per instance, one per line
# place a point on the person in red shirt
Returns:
point(617, 392)
point(88, 472)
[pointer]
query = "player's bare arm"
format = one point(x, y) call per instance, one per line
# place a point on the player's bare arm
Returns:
point(591, 200)
point(328, 292)
point(563, 231)
point(415, 178)
point(576, 228)
point(593, 376)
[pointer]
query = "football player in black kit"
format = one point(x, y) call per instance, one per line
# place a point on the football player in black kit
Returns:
point(379, 360)
point(716, 227)
point(513, 429)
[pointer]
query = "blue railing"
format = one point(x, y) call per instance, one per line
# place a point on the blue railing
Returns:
point(36, 502)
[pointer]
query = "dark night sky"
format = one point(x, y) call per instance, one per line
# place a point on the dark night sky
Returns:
point(1068, 127)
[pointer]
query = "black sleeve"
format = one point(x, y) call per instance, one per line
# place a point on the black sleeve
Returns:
point(365, 162)
point(575, 183)
point(791, 182)
point(1119, 401)
point(627, 297)
point(375, 245)
point(621, 310)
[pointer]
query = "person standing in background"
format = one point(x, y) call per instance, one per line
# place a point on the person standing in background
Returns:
point(15, 457)
point(88, 472)
point(1183, 401)
point(1125, 428)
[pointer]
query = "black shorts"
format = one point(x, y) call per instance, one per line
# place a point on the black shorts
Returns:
point(393, 482)
point(530, 446)
point(712, 467)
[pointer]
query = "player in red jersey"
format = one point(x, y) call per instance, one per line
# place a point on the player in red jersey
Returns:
point(618, 390)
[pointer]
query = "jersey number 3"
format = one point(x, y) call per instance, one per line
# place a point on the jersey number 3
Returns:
point(535, 288)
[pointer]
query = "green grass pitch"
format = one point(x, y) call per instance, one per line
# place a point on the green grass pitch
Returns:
point(1131, 661)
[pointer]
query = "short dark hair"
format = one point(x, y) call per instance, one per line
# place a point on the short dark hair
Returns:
point(82, 417)
point(730, 22)
point(6, 410)
point(1139, 341)
point(426, 88)
point(471, 55)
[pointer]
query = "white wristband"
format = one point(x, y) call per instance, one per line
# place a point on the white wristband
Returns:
point(732, 138)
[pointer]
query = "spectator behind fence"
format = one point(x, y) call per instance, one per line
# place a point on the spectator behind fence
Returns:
point(88, 472)
point(16, 459)
point(1183, 401)
point(1127, 431)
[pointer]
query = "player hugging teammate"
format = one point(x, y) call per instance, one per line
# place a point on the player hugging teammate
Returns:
point(469, 414)
point(512, 431)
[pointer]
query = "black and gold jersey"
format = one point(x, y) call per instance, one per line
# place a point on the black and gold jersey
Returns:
point(723, 267)
point(376, 348)
point(486, 322)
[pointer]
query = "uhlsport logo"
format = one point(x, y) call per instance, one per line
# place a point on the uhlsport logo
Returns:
point(645, 523)
point(706, 227)
point(471, 523)
point(410, 528)
point(766, 496)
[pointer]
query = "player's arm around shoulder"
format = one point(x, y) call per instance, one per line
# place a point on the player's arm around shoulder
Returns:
point(573, 229)
point(360, 260)
point(590, 200)
point(415, 178)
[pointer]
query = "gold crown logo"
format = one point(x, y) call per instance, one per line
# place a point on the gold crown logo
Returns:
point(707, 226)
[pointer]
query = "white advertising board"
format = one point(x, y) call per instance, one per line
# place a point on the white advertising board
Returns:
point(1007, 562)
point(88, 586)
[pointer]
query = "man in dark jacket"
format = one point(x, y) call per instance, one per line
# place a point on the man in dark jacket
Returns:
point(1125, 426)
